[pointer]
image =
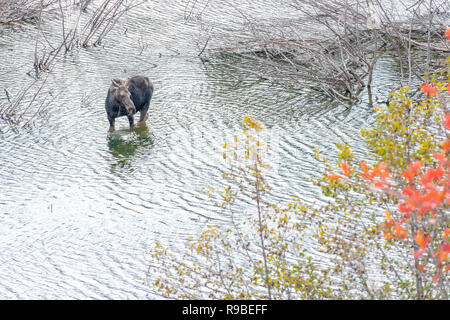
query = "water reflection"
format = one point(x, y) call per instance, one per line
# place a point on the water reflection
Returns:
point(123, 144)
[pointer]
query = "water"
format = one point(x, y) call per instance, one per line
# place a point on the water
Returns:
point(81, 206)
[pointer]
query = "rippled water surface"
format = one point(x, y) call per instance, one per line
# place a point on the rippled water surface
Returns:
point(81, 206)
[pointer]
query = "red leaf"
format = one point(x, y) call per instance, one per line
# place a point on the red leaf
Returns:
point(418, 253)
point(412, 171)
point(447, 33)
point(447, 121)
point(404, 208)
point(424, 208)
point(410, 191)
point(431, 174)
point(445, 246)
point(382, 170)
point(439, 157)
point(428, 89)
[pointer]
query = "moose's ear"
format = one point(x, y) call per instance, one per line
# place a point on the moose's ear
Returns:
point(116, 82)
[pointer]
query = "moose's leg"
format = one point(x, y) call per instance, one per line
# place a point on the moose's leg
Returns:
point(111, 121)
point(131, 121)
point(143, 114)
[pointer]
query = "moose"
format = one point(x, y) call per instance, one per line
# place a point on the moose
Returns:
point(125, 98)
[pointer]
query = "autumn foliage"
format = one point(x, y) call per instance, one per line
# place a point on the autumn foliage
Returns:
point(428, 89)
point(422, 204)
point(383, 234)
point(412, 180)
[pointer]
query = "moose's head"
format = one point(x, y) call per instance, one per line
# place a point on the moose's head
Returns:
point(122, 95)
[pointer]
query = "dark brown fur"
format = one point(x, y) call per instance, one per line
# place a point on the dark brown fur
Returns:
point(125, 98)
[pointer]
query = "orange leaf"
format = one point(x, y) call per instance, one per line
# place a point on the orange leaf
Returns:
point(433, 197)
point(345, 169)
point(422, 240)
point(444, 251)
point(428, 89)
point(412, 170)
point(446, 232)
point(419, 234)
point(447, 33)
point(387, 235)
point(421, 268)
point(334, 177)
point(387, 214)
point(408, 175)
point(441, 196)
point(436, 277)
point(388, 222)
point(400, 232)
point(380, 184)
point(364, 166)
point(446, 145)
point(366, 170)
point(443, 254)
